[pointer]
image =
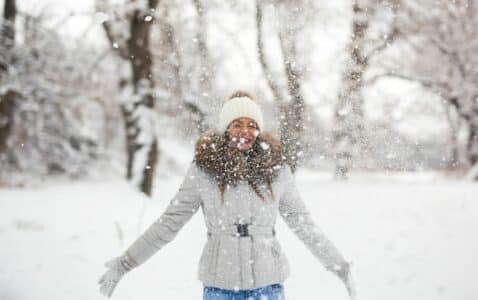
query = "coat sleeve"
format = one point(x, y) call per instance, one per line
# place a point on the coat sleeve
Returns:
point(296, 215)
point(184, 204)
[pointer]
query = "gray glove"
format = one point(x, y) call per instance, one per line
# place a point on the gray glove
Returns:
point(118, 266)
point(345, 274)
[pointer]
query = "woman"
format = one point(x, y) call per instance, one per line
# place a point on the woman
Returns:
point(239, 179)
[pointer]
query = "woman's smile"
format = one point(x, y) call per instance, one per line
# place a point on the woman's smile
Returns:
point(243, 133)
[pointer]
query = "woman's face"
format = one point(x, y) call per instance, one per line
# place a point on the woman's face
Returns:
point(243, 133)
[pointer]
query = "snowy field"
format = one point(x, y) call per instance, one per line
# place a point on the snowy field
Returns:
point(410, 237)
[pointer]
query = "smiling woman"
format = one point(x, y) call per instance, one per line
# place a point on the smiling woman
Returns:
point(240, 181)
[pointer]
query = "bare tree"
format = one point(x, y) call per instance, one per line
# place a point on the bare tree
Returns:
point(129, 36)
point(350, 142)
point(168, 62)
point(442, 38)
point(7, 98)
point(179, 80)
point(8, 26)
point(274, 87)
point(206, 68)
point(207, 74)
point(54, 90)
point(293, 125)
point(291, 113)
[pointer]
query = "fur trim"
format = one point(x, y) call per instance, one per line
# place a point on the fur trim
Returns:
point(228, 164)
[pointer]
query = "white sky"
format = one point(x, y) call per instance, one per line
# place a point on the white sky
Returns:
point(70, 17)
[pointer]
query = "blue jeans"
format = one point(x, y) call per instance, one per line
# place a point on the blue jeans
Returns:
point(270, 292)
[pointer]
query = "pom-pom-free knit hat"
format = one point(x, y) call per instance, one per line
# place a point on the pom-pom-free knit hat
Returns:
point(240, 104)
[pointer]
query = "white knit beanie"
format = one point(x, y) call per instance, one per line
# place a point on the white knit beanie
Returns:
point(238, 107)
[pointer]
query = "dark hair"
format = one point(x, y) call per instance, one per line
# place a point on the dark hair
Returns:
point(251, 182)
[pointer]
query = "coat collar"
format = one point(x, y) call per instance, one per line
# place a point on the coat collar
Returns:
point(229, 165)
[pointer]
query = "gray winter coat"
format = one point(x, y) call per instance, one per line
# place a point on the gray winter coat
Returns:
point(229, 260)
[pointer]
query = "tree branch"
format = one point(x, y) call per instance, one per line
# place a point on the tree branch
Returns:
point(262, 59)
point(424, 82)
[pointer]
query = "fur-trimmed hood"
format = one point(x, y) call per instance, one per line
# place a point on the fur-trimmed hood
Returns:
point(228, 164)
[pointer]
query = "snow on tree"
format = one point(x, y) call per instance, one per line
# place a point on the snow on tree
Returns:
point(183, 63)
point(442, 56)
point(7, 42)
point(291, 18)
point(128, 31)
point(350, 145)
point(51, 87)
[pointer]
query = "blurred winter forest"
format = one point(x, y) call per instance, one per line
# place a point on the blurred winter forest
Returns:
point(125, 87)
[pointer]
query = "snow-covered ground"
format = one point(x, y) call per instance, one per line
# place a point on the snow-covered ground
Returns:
point(412, 237)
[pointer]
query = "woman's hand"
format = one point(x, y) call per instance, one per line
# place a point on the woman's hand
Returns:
point(350, 284)
point(117, 268)
point(345, 275)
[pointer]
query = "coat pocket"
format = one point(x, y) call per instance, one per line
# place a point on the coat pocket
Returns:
point(205, 259)
point(214, 256)
point(276, 257)
point(280, 259)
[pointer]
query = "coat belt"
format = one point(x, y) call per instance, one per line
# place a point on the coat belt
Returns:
point(242, 230)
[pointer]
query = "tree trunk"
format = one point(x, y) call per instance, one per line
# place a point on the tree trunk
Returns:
point(141, 138)
point(7, 102)
point(454, 121)
point(291, 114)
point(292, 127)
point(138, 109)
point(472, 151)
point(470, 119)
point(472, 144)
point(262, 58)
point(169, 62)
point(7, 99)
point(206, 74)
point(349, 123)
point(9, 15)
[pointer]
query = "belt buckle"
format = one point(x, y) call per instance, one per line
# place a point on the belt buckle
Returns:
point(242, 229)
